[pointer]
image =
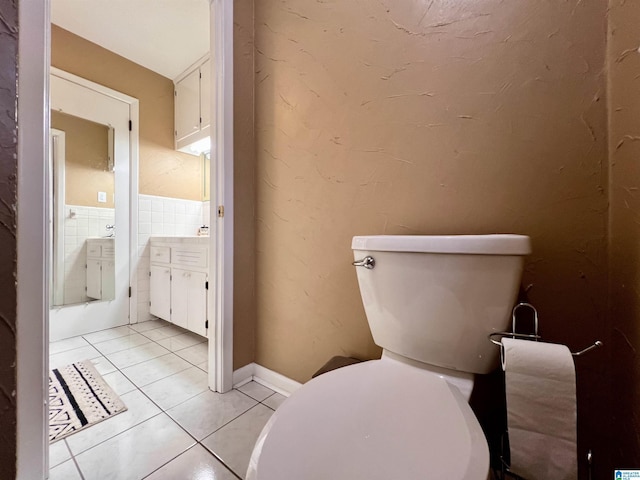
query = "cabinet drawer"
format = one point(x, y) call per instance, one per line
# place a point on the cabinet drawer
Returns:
point(160, 254)
point(108, 251)
point(192, 256)
point(94, 250)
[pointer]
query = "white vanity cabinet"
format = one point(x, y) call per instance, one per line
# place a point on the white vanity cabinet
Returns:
point(192, 110)
point(179, 277)
point(101, 273)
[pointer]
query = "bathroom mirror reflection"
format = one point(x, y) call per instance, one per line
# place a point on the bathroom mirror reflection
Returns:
point(82, 210)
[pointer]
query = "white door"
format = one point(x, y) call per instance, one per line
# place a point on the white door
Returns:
point(84, 103)
point(205, 94)
point(160, 292)
point(180, 297)
point(187, 105)
point(94, 278)
point(197, 315)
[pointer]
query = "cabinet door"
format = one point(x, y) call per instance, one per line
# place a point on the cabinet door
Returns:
point(197, 303)
point(187, 105)
point(94, 280)
point(108, 277)
point(160, 292)
point(205, 94)
point(180, 297)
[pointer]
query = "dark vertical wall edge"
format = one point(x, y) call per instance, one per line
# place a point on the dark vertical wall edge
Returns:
point(8, 174)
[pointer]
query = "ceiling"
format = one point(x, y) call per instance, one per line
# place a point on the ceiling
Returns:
point(165, 36)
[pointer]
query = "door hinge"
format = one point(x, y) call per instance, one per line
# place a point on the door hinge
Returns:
point(171, 310)
point(129, 292)
point(206, 285)
point(206, 324)
point(221, 211)
point(149, 273)
point(130, 125)
point(149, 302)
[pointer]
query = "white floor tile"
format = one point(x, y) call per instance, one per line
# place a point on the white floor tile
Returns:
point(181, 341)
point(203, 366)
point(234, 442)
point(155, 369)
point(149, 325)
point(137, 452)
point(256, 391)
point(135, 355)
point(196, 354)
point(177, 388)
point(195, 463)
point(121, 343)
point(119, 383)
point(66, 344)
point(65, 471)
point(71, 356)
point(205, 413)
point(58, 453)
point(139, 409)
point(274, 401)
point(110, 334)
point(163, 332)
point(103, 366)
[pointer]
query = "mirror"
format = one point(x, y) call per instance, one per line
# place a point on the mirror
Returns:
point(82, 210)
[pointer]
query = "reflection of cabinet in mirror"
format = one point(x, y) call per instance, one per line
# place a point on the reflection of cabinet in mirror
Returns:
point(101, 276)
point(179, 281)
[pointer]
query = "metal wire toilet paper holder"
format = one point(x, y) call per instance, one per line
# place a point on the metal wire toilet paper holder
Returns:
point(504, 466)
point(535, 336)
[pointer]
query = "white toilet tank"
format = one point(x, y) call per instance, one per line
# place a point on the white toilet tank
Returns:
point(435, 299)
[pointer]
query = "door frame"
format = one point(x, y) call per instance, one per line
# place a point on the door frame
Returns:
point(32, 329)
point(131, 195)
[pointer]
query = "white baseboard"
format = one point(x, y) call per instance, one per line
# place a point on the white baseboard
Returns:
point(243, 375)
point(270, 379)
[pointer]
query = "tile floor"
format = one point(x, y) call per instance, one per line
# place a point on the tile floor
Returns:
point(175, 427)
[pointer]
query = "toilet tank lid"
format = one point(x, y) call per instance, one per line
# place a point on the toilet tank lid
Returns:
point(495, 244)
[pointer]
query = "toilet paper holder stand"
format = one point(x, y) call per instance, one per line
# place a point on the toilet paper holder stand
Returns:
point(504, 466)
point(535, 337)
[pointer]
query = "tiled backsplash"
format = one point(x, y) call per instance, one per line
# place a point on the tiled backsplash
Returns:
point(79, 224)
point(163, 216)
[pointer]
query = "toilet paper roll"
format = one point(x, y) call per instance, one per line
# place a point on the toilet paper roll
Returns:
point(540, 383)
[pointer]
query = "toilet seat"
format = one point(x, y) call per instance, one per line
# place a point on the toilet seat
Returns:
point(374, 420)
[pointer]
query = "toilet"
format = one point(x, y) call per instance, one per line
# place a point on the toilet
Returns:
point(431, 302)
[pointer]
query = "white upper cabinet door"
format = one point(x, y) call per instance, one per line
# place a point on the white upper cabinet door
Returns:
point(187, 105)
point(205, 94)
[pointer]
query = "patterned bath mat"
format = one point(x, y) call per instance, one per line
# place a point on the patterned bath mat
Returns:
point(79, 397)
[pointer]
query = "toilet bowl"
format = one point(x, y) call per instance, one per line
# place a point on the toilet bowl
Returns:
point(431, 302)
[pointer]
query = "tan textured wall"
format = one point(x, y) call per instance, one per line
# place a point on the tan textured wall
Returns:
point(86, 160)
point(424, 118)
point(624, 149)
point(163, 171)
point(244, 304)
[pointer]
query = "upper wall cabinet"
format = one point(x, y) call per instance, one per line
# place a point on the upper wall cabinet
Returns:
point(192, 108)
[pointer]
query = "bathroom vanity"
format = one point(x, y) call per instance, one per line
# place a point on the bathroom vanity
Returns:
point(101, 273)
point(179, 279)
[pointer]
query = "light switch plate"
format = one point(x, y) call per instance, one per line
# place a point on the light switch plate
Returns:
point(102, 197)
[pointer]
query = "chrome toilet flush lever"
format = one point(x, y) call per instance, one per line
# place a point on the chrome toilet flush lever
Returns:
point(367, 262)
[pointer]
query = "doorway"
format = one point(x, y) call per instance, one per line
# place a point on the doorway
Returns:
point(33, 238)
